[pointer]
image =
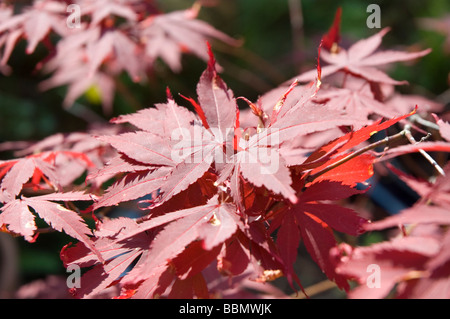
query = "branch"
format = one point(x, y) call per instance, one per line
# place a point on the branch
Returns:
point(9, 265)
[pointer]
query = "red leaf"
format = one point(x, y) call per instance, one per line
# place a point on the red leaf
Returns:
point(63, 219)
point(132, 186)
point(194, 259)
point(189, 287)
point(119, 256)
point(356, 170)
point(328, 190)
point(199, 111)
point(233, 260)
point(418, 214)
point(288, 238)
point(268, 170)
point(391, 260)
point(444, 128)
point(216, 101)
point(360, 60)
point(20, 219)
point(189, 171)
point(318, 241)
point(355, 99)
point(352, 139)
point(103, 10)
point(17, 216)
point(145, 120)
point(221, 226)
point(17, 176)
point(167, 34)
point(142, 146)
point(185, 227)
point(315, 222)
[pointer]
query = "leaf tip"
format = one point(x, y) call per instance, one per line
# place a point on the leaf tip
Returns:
point(169, 94)
point(293, 199)
point(212, 59)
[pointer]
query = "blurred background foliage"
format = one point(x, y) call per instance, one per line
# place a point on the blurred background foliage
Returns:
point(280, 40)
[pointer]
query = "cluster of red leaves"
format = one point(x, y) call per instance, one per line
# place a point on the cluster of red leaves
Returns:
point(227, 196)
point(218, 201)
point(113, 36)
point(415, 261)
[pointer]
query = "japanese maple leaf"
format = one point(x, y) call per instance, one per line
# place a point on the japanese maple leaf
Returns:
point(435, 284)
point(211, 225)
point(100, 10)
point(393, 262)
point(182, 244)
point(176, 151)
point(356, 99)
point(403, 103)
point(255, 249)
point(150, 147)
point(210, 143)
point(77, 65)
point(152, 152)
point(361, 60)
point(309, 219)
point(70, 154)
point(119, 256)
point(15, 173)
point(35, 168)
point(313, 222)
point(94, 54)
point(169, 35)
point(19, 218)
point(357, 169)
point(179, 150)
point(34, 24)
point(419, 271)
point(118, 46)
point(89, 58)
point(418, 214)
point(258, 158)
point(294, 150)
point(444, 128)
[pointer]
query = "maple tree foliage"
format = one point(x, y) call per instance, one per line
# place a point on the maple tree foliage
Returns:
point(112, 37)
point(226, 196)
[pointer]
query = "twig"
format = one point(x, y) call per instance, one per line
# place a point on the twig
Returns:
point(296, 17)
point(316, 289)
point(9, 265)
point(424, 154)
point(44, 230)
point(415, 118)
